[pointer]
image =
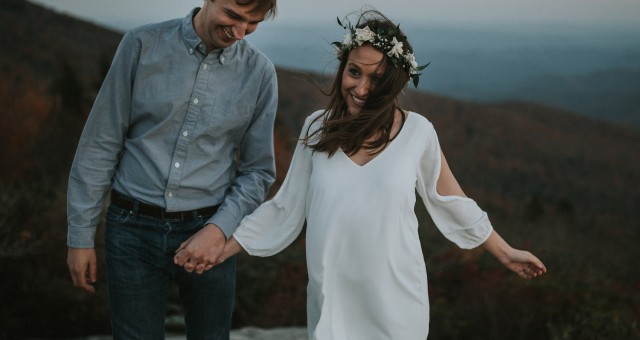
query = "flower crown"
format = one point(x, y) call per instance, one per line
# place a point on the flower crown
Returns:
point(383, 40)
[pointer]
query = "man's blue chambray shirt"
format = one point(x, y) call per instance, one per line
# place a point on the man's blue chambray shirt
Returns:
point(176, 128)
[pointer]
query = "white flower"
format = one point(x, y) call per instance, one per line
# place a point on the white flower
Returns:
point(411, 59)
point(347, 41)
point(364, 34)
point(396, 50)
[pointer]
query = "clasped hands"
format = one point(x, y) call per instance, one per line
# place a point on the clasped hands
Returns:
point(202, 251)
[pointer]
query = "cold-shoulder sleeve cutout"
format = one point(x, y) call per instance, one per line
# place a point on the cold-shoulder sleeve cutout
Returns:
point(458, 218)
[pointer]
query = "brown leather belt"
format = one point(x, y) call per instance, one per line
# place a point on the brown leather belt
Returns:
point(128, 203)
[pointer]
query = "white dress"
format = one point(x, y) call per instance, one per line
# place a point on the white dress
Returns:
point(367, 277)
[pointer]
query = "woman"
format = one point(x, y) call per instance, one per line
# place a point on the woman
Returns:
point(353, 178)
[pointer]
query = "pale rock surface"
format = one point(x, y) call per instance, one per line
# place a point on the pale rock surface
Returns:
point(247, 333)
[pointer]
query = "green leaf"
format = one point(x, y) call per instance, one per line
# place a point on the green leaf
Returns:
point(420, 68)
point(343, 25)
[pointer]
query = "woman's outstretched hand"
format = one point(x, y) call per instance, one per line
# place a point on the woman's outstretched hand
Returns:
point(524, 264)
point(521, 262)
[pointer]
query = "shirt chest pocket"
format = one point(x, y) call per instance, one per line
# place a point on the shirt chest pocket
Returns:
point(224, 122)
point(225, 118)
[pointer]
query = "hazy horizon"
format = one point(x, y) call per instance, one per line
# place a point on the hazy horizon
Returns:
point(580, 64)
point(125, 14)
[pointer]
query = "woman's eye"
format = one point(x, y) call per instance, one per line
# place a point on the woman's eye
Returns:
point(353, 72)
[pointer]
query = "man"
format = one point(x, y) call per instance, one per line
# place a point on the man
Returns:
point(180, 135)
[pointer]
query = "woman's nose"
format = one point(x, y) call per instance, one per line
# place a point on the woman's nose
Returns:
point(362, 88)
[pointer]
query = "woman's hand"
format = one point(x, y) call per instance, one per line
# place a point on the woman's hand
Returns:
point(524, 264)
point(521, 262)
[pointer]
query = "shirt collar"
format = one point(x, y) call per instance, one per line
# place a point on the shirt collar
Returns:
point(193, 42)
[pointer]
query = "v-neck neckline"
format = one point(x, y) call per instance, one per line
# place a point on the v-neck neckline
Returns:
point(387, 147)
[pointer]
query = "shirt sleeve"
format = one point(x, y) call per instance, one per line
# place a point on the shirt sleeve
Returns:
point(100, 146)
point(459, 219)
point(256, 161)
point(278, 222)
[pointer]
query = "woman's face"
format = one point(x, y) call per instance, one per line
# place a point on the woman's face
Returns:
point(362, 72)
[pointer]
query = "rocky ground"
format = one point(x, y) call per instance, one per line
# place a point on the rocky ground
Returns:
point(252, 333)
point(248, 333)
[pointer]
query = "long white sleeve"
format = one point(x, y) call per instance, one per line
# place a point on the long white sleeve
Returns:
point(278, 222)
point(459, 219)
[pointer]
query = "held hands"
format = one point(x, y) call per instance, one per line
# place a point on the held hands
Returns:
point(201, 251)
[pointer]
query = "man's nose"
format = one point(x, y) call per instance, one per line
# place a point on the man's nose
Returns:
point(239, 30)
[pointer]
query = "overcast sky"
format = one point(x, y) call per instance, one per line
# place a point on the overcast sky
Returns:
point(125, 14)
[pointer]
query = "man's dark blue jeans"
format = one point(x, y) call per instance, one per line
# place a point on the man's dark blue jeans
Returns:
point(139, 254)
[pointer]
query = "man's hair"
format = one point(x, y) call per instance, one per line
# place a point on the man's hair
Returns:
point(264, 6)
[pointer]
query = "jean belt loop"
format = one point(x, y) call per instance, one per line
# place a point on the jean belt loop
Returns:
point(136, 207)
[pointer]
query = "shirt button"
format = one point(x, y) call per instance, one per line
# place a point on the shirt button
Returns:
point(205, 66)
point(191, 51)
point(177, 165)
point(185, 133)
point(170, 195)
point(195, 101)
point(222, 59)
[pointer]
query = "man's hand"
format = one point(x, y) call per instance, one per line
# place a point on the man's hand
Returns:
point(201, 251)
point(83, 267)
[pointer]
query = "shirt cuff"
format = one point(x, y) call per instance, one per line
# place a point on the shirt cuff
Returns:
point(81, 237)
point(225, 221)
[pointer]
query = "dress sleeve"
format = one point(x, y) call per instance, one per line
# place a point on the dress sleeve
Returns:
point(277, 223)
point(459, 219)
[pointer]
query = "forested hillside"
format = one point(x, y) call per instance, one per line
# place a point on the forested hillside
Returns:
point(562, 185)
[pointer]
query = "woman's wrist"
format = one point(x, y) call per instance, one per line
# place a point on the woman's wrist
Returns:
point(498, 247)
point(231, 248)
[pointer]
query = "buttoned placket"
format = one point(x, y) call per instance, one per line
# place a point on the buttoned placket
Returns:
point(194, 110)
